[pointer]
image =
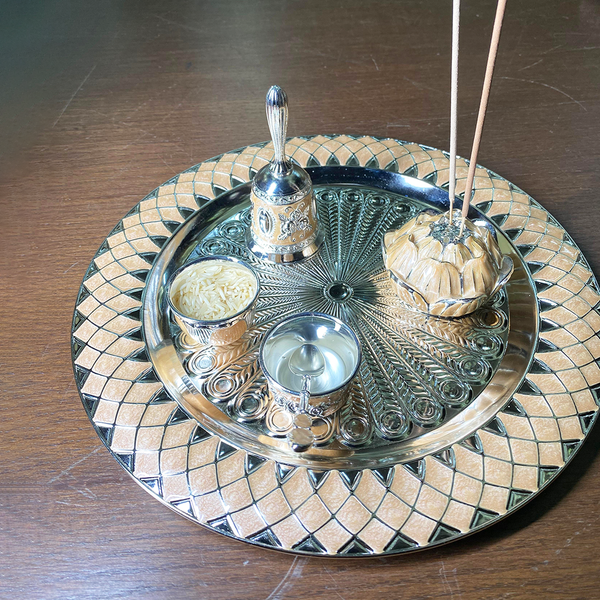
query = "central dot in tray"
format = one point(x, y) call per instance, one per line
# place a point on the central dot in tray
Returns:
point(338, 291)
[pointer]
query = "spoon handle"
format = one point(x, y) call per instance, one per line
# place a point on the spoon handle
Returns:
point(304, 394)
point(301, 438)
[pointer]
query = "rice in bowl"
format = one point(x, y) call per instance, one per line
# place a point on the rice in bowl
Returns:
point(213, 290)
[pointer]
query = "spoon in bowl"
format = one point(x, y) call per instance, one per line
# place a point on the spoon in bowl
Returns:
point(307, 362)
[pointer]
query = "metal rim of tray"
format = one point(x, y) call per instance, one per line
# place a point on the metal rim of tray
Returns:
point(440, 497)
point(215, 385)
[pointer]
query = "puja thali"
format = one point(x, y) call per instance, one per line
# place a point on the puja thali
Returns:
point(449, 426)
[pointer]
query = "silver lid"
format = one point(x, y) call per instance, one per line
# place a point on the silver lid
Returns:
point(281, 181)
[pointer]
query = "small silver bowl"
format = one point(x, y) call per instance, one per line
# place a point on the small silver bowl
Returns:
point(217, 332)
point(341, 352)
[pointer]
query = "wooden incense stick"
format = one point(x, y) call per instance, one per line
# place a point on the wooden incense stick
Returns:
point(489, 71)
point(453, 104)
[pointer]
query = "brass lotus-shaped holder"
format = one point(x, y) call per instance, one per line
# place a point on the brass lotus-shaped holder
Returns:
point(443, 269)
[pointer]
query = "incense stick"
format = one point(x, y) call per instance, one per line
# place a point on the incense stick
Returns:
point(453, 104)
point(489, 71)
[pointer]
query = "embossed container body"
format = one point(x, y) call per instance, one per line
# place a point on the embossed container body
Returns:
point(284, 212)
point(443, 271)
point(217, 332)
point(341, 350)
point(284, 226)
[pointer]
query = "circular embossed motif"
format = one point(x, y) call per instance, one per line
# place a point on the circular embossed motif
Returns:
point(265, 222)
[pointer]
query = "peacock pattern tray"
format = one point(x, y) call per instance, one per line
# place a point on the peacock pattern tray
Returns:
point(408, 493)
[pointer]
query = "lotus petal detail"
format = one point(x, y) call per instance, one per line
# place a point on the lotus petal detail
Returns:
point(441, 271)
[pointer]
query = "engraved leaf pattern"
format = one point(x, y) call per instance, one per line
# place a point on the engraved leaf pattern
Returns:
point(416, 372)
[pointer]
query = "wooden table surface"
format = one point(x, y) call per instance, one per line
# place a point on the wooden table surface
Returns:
point(103, 101)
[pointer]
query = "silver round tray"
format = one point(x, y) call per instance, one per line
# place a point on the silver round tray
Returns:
point(449, 425)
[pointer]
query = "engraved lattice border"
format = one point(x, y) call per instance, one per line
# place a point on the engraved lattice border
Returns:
point(361, 513)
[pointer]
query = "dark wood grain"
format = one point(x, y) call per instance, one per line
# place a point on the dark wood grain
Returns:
point(103, 101)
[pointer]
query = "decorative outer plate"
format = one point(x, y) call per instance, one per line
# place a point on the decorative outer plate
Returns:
point(472, 484)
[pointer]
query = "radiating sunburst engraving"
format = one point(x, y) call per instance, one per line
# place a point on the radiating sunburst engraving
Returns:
point(417, 371)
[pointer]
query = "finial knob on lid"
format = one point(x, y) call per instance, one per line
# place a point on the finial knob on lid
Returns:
point(284, 212)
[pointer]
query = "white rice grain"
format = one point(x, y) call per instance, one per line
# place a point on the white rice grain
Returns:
point(213, 290)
